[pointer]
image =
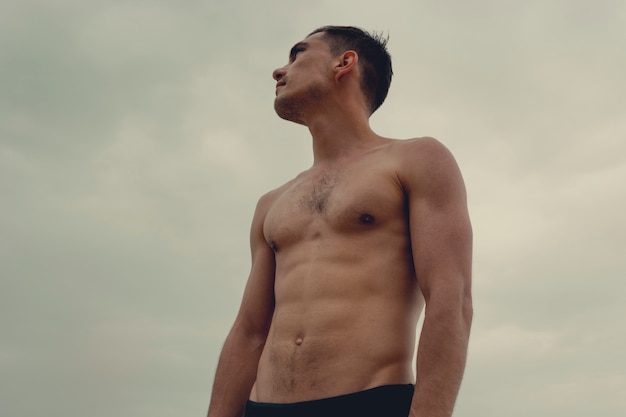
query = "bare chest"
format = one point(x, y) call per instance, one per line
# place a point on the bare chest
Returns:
point(354, 200)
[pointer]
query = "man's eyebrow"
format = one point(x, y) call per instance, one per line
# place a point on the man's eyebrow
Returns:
point(297, 48)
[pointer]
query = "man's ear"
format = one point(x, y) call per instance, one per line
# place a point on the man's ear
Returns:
point(347, 63)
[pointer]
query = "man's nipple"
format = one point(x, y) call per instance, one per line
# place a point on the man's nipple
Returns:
point(367, 218)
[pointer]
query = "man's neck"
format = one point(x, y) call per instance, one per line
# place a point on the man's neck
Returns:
point(339, 135)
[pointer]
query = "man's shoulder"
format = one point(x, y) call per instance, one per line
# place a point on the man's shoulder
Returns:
point(421, 146)
point(267, 199)
point(420, 153)
point(422, 161)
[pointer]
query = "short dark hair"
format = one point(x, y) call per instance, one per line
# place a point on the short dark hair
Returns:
point(374, 59)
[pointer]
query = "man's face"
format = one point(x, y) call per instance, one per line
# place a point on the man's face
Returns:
point(304, 80)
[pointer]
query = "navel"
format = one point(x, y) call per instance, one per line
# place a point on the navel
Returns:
point(299, 340)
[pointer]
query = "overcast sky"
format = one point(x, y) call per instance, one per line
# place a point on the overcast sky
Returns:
point(136, 137)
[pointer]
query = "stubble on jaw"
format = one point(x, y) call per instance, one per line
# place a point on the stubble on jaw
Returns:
point(291, 107)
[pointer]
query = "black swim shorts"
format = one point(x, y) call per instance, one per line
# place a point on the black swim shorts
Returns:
point(385, 401)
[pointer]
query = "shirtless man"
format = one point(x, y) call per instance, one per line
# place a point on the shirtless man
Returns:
point(346, 255)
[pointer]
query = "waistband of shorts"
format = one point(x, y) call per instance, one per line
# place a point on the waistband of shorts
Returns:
point(386, 400)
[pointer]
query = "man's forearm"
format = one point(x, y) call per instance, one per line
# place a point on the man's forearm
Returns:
point(441, 360)
point(235, 375)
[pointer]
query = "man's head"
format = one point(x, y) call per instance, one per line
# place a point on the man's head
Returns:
point(374, 59)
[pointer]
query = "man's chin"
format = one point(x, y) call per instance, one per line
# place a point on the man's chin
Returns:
point(292, 119)
point(287, 112)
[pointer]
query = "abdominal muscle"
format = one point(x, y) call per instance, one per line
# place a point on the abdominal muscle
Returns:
point(338, 329)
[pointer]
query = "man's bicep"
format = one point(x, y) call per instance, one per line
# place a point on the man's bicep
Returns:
point(257, 305)
point(442, 245)
point(441, 233)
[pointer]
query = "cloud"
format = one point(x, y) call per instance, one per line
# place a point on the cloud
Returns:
point(136, 137)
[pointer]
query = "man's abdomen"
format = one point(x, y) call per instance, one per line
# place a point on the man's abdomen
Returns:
point(328, 346)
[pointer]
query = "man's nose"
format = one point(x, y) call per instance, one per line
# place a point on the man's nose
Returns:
point(278, 73)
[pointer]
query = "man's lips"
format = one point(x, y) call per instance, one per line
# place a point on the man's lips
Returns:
point(280, 84)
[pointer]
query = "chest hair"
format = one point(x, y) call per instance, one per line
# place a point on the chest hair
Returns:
point(317, 200)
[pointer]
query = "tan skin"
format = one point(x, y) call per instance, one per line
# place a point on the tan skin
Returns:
point(345, 257)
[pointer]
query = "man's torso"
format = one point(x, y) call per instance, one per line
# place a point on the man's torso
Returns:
point(346, 294)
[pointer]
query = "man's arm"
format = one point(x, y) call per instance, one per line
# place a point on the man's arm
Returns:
point(441, 238)
point(237, 366)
